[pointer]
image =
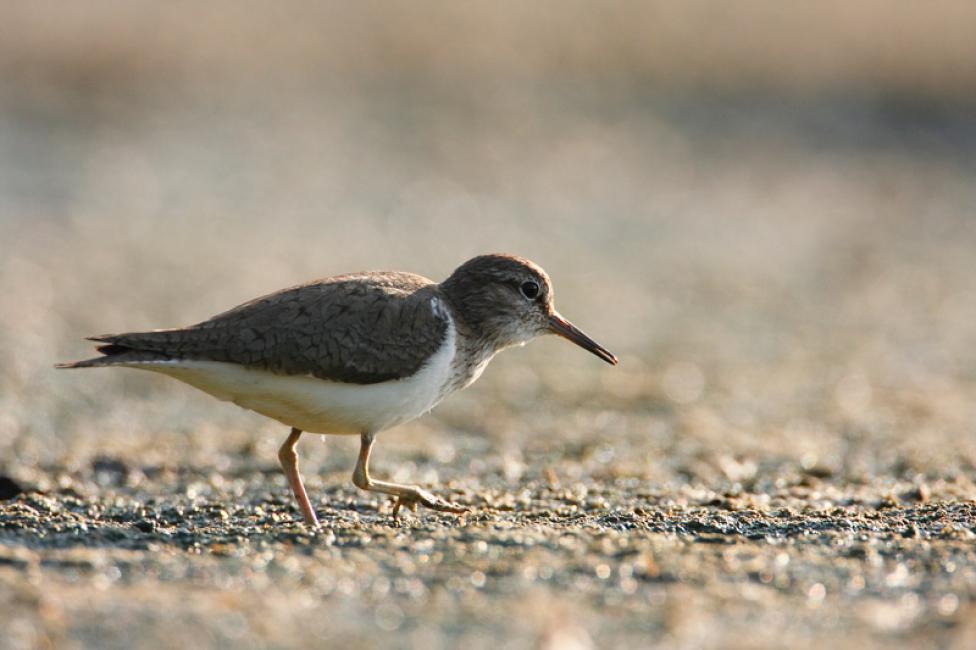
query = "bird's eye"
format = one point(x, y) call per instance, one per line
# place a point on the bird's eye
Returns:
point(530, 290)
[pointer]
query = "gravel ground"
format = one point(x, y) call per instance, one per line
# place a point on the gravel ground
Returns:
point(564, 546)
point(94, 555)
point(777, 244)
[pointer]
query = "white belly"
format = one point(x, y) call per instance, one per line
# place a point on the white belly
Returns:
point(316, 405)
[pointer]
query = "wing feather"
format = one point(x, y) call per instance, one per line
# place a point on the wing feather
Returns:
point(361, 329)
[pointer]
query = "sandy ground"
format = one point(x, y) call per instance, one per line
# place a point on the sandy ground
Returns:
point(562, 548)
point(778, 246)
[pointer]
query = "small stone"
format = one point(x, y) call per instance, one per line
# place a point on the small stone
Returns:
point(920, 493)
point(109, 471)
point(9, 488)
point(145, 525)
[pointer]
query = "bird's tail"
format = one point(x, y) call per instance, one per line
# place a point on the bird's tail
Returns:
point(115, 354)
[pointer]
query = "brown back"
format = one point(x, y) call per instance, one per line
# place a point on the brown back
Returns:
point(359, 328)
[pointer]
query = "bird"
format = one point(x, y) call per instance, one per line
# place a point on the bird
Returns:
point(355, 354)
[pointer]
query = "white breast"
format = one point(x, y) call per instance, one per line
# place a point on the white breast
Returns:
point(320, 406)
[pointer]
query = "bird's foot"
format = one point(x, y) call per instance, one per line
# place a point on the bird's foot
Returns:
point(415, 496)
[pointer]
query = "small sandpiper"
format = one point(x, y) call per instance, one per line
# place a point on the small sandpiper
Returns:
point(355, 354)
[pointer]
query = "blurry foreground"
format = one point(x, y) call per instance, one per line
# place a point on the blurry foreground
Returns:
point(767, 215)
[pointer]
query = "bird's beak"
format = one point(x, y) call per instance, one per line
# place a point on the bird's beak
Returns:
point(562, 327)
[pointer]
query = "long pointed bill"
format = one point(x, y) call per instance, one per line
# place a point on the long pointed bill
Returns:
point(562, 327)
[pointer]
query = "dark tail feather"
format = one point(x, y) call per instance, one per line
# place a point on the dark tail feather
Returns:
point(114, 354)
point(112, 348)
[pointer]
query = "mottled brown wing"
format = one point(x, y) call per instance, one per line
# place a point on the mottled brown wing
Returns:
point(359, 329)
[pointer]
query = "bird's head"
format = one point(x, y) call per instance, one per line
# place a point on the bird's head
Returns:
point(507, 300)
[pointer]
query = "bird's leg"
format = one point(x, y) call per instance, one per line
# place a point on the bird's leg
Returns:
point(289, 461)
point(407, 495)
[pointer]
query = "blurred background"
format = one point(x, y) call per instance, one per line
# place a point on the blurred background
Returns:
point(765, 209)
point(766, 212)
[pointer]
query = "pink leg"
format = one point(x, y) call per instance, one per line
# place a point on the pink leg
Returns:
point(407, 495)
point(289, 461)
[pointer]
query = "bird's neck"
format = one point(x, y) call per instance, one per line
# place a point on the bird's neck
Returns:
point(476, 341)
point(472, 354)
point(469, 317)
